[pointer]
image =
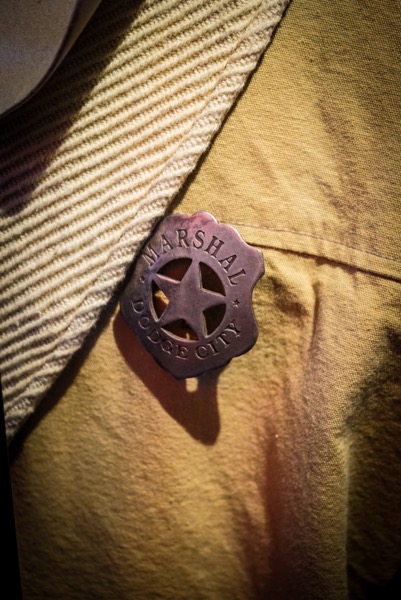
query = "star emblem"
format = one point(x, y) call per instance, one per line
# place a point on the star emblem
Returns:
point(187, 300)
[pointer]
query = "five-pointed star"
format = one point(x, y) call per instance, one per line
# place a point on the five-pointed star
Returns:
point(187, 299)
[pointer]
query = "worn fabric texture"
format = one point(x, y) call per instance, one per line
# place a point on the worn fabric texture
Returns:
point(277, 477)
point(93, 160)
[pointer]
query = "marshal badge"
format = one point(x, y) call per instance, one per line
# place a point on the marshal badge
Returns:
point(190, 297)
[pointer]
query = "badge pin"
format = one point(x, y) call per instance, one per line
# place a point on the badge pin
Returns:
point(190, 297)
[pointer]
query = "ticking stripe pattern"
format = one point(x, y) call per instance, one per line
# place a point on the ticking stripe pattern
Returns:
point(91, 162)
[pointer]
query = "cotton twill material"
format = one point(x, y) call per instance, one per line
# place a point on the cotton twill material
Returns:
point(93, 160)
point(278, 477)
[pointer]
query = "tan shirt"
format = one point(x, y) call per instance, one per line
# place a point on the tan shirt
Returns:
point(278, 477)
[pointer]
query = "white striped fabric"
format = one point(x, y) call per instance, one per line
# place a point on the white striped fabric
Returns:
point(90, 163)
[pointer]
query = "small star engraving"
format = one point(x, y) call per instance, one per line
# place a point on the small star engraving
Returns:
point(236, 303)
point(187, 299)
point(142, 279)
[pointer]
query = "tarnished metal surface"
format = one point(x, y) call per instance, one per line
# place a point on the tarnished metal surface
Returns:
point(190, 296)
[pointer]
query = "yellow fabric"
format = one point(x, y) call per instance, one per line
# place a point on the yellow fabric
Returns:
point(278, 477)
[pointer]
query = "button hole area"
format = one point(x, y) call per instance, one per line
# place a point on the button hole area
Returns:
point(191, 385)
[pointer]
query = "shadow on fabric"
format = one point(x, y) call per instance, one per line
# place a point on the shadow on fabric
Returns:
point(192, 403)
